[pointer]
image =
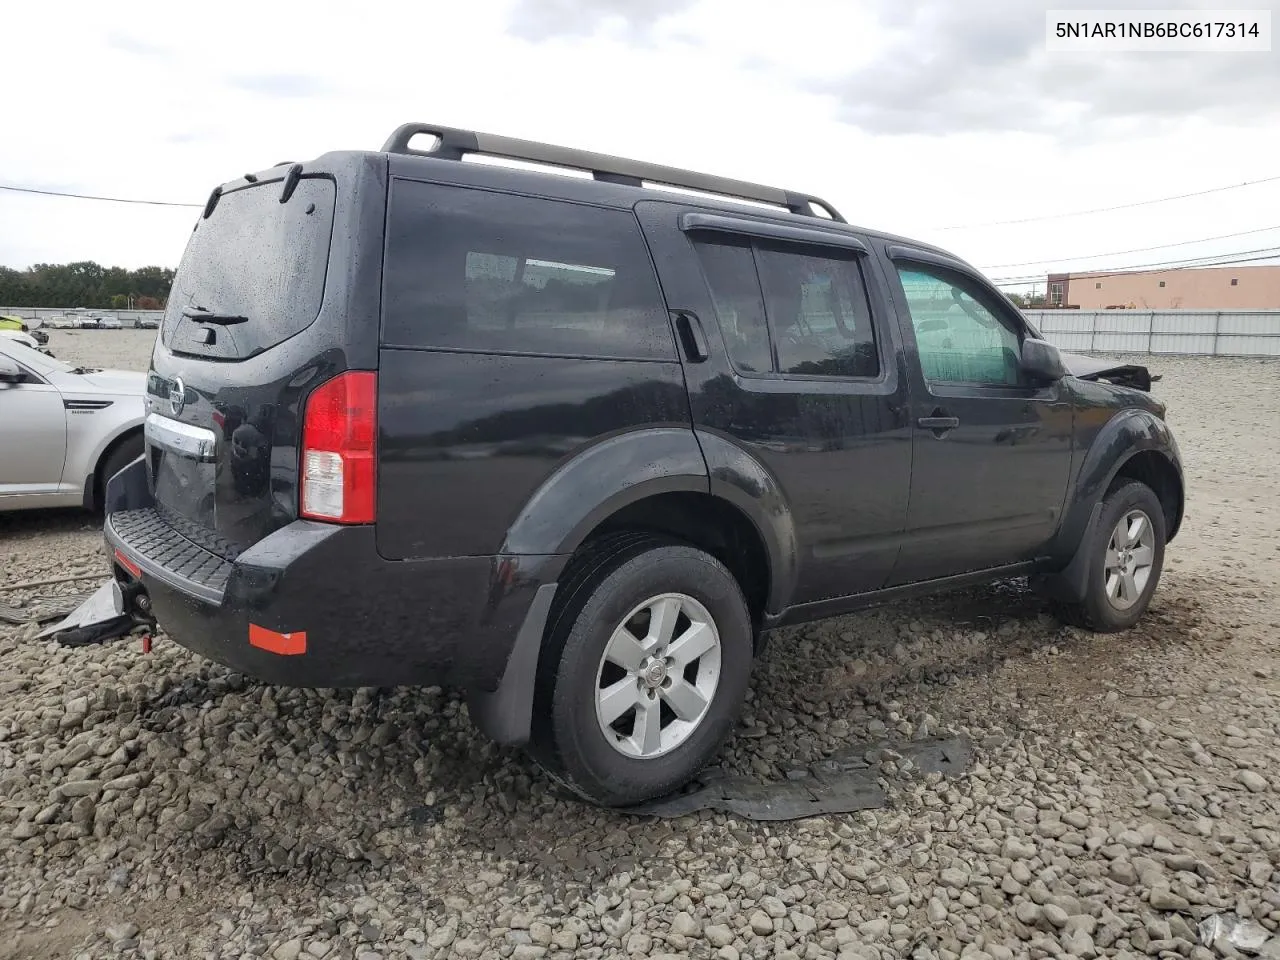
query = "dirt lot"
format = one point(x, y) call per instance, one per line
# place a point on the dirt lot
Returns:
point(1124, 787)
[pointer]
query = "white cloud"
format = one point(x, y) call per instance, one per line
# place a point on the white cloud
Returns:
point(907, 118)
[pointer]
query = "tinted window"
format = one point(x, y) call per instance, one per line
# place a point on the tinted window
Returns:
point(735, 291)
point(259, 258)
point(815, 302)
point(960, 340)
point(474, 270)
point(818, 312)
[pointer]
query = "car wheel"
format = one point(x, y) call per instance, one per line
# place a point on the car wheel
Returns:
point(1127, 555)
point(643, 670)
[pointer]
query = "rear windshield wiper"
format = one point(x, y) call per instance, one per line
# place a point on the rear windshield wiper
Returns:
point(207, 316)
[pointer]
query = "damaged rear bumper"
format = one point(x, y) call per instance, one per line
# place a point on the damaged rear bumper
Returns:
point(313, 604)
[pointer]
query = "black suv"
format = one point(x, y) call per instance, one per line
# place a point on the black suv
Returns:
point(572, 444)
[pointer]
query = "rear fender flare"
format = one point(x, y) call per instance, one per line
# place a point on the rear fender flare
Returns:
point(601, 480)
point(742, 480)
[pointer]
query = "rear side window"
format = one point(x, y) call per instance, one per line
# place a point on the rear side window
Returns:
point(815, 302)
point(735, 291)
point(258, 258)
point(818, 310)
point(472, 270)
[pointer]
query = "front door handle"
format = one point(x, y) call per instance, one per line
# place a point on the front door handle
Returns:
point(939, 423)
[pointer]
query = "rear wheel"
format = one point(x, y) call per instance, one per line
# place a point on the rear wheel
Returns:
point(1127, 555)
point(643, 671)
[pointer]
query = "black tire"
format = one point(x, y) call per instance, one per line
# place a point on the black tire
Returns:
point(118, 457)
point(1097, 612)
point(607, 581)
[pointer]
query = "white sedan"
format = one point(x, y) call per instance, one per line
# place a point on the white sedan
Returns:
point(63, 429)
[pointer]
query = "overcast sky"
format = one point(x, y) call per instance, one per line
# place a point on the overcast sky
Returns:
point(908, 116)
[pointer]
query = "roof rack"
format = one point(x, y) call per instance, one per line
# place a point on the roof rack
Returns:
point(453, 144)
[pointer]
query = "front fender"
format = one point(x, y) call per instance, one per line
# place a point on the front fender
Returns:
point(602, 480)
point(1121, 438)
point(90, 439)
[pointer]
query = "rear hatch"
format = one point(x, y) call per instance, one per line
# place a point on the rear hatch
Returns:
point(256, 319)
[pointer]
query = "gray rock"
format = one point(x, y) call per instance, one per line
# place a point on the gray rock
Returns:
point(761, 923)
point(617, 923)
point(1253, 781)
point(685, 925)
point(1079, 943)
point(1055, 915)
point(718, 935)
point(121, 931)
point(1028, 913)
point(1162, 898)
point(81, 788)
point(1015, 849)
point(874, 930)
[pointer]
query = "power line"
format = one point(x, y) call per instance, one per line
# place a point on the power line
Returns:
point(1269, 253)
point(85, 196)
point(1117, 253)
point(1120, 206)
point(1191, 261)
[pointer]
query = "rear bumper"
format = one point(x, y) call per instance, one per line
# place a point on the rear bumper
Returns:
point(352, 618)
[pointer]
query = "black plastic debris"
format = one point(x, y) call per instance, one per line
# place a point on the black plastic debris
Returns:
point(845, 782)
point(93, 621)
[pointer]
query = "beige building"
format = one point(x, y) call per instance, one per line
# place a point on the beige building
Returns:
point(1198, 288)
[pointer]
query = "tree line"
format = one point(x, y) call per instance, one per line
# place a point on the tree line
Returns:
point(85, 284)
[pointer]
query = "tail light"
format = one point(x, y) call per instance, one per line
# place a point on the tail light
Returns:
point(339, 438)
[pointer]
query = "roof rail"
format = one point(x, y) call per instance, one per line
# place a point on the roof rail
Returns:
point(453, 144)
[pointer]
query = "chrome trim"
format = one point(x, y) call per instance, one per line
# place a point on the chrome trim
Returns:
point(190, 441)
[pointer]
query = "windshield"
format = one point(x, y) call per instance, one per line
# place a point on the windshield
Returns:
point(256, 258)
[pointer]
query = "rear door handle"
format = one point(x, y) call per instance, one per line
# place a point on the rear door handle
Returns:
point(692, 339)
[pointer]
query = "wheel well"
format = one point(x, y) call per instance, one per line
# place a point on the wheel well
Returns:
point(1155, 470)
point(709, 523)
point(99, 481)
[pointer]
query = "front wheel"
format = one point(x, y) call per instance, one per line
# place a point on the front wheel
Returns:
point(1127, 555)
point(643, 671)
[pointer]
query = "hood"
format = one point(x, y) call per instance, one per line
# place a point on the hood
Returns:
point(109, 381)
point(1117, 372)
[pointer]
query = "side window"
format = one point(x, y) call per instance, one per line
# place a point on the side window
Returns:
point(960, 340)
point(735, 291)
point(818, 311)
point(473, 270)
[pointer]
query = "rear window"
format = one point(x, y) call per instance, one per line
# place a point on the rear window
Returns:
point(255, 257)
point(472, 270)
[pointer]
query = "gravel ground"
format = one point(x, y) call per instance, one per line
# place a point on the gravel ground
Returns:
point(1124, 787)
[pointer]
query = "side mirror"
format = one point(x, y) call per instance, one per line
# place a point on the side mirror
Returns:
point(10, 372)
point(1041, 361)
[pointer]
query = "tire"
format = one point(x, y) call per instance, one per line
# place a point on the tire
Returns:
point(616, 586)
point(120, 456)
point(1113, 602)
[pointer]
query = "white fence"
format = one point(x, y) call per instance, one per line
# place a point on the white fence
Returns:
point(1222, 333)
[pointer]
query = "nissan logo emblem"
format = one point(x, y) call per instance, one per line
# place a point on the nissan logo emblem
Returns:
point(177, 396)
